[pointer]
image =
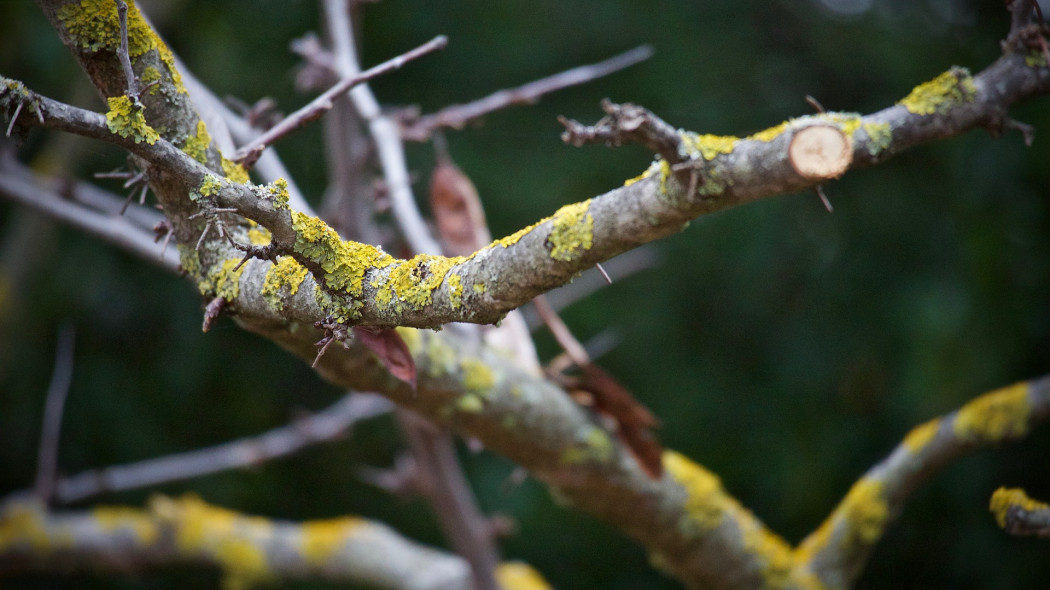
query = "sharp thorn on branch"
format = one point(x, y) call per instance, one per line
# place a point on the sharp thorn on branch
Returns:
point(824, 198)
point(11, 125)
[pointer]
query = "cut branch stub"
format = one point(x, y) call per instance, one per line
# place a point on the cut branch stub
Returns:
point(820, 152)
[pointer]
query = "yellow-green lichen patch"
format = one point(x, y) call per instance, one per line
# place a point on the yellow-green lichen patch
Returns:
point(277, 192)
point(149, 76)
point(864, 512)
point(344, 263)
point(515, 575)
point(572, 231)
point(477, 376)
point(774, 553)
point(648, 172)
point(707, 146)
point(113, 518)
point(706, 502)
point(222, 280)
point(210, 186)
point(594, 447)
point(995, 416)
point(235, 542)
point(942, 93)
point(125, 119)
point(1006, 498)
point(1035, 59)
point(508, 241)
point(259, 236)
point(412, 282)
point(189, 259)
point(23, 522)
point(236, 173)
point(94, 25)
point(196, 146)
point(479, 288)
point(771, 133)
point(921, 435)
point(340, 309)
point(321, 539)
point(880, 135)
point(455, 290)
point(286, 272)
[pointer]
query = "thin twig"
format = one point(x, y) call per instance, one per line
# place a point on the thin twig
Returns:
point(122, 54)
point(330, 424)
point(57, 391)
point(561, 332)
point(459, 115)
point(248, 154)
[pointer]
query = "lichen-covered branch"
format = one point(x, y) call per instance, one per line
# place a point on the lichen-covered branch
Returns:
point(693, 528)
point(836, 552)
point(248, 550)
point(1020, 515)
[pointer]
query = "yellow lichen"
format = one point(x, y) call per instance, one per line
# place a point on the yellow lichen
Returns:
point(771, 133)
point(572, 230)
point(149, 76)
point(321, 539)
point(706, 502)
point(470, 403)
point(210, 186)
point(259, 236)
point(1006, 498)
point(921, 435)
point(652, 169)
point(508, 241)
point(23, 522)
point(515, 575)
point(455, 290)
point(277, 191)
point(880, 135)
point(286, 272)
point(773, 551)
point(995, 416)
point(595, 446)
point(125, 119)
point(865, 512)
point(479, 288)
point(708, 146)
point(196, 146)
point(111, 518)
point(345, 263)
point(235, 542)
point(477, 376)
point(413, 282)
point(940, 94)
point(189, 259)
point(236, 173)
point(94, 25)
point(222, 280)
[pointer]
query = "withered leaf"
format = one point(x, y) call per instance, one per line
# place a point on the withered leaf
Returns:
point(392, 351)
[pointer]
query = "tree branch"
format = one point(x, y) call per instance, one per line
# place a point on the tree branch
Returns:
point(248, 550)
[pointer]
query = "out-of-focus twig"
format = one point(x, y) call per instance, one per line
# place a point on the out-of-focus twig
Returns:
point(459, 115)
point(248, 154)
point(54, 405)
point(329, 424)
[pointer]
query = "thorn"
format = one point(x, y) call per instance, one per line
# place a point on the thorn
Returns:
point(204, 233)
point(605, 275)
point(824, 198)
point(328, 340)
point(815, 104)
point(14, 118)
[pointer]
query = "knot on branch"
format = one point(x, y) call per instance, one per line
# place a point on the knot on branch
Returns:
point(627, 123)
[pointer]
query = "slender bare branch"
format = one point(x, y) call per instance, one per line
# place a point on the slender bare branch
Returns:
point(459, 115)
point(54, 405)
point(331, 423)
point(247, 155)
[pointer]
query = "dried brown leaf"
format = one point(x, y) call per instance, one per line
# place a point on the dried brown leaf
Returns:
point(392, 351)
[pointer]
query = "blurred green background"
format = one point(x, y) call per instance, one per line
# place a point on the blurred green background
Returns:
point(785, 348)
